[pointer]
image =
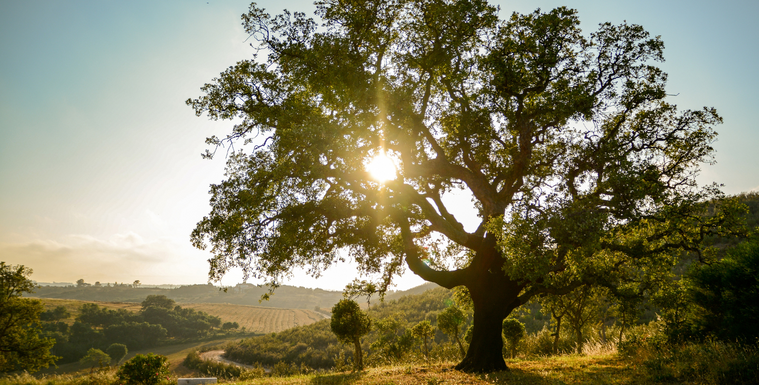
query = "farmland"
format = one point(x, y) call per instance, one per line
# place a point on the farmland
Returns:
point(255, 319)
point(259, 319)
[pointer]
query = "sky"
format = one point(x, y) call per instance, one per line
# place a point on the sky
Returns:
point(101, 176)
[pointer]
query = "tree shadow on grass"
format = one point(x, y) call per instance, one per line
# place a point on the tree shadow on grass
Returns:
point(336, 379)
point(584, 370)
point(517, 376)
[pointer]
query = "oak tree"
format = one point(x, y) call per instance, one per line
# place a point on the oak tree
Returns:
point(22, 344)
point(353, 128)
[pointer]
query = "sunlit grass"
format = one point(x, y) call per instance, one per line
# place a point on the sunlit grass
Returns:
point(567, 369)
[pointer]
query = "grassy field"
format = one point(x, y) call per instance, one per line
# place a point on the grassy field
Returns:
point(573, 369)
point(561, 370)
point(255, 319)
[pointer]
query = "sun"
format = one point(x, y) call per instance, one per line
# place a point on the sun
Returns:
point(381, 168)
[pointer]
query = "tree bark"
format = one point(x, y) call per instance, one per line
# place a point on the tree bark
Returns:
point(494, 296)
point(358, 359)
point(461, 346)
point(485, 353)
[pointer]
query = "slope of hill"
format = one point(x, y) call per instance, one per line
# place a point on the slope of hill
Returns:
point(316, 346)
point(255, 319)
point(285, 297)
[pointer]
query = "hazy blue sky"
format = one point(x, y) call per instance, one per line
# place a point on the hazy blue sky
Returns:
point(100, 169)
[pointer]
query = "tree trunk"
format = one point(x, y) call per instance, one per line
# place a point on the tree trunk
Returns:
point(494, 296)
point(485, 353)
point(557, 334)
point(357, 355)
point(461, 346)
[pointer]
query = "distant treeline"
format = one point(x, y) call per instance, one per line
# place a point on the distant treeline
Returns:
point(287, 297)
point(160, 320)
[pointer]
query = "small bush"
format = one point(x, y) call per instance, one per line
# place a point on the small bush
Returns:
point(513, 332)
point(541, 344)
point(708, 362)
point(117, 352)
point(220, 369)
point(142, 369)
point(95, 357)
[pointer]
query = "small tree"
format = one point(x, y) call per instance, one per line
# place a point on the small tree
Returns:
point(57, 314)
point(160, 301)
point(95, 357)
point(148, 369)
point(424, 331)
point(230, 325)
point(117, 352)
point(450, 322)
point(513, 331)
point(349, 324)
point(392, 340)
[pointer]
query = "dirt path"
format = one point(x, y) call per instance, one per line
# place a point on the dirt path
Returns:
point(215, 355)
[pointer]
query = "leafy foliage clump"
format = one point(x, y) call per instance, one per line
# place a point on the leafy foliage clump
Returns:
point(159, 321)
point(23, 346)
point(117, 351)
point(149, 369)
point(96, 357)
point(350, 323)
point(219, 369)
point(726, 295)
point(513, 331)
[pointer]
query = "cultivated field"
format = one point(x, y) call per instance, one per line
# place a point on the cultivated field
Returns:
point(255, 319)
point(259, 319)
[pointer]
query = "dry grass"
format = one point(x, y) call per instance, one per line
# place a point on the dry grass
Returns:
point(571, 369)
point(560, 370)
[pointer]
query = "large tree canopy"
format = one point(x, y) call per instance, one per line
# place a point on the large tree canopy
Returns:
point(22, 345)
point(580, 170)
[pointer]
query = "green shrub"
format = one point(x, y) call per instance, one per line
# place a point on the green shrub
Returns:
point(706, 362)
point(726, 295)
point(95, 357)
point(513, 331)
point(220, 369)
point(142, 369)
point(117, 352)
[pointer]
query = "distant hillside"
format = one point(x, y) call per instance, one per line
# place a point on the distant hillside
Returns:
point(256, 319)
point(285, 297)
